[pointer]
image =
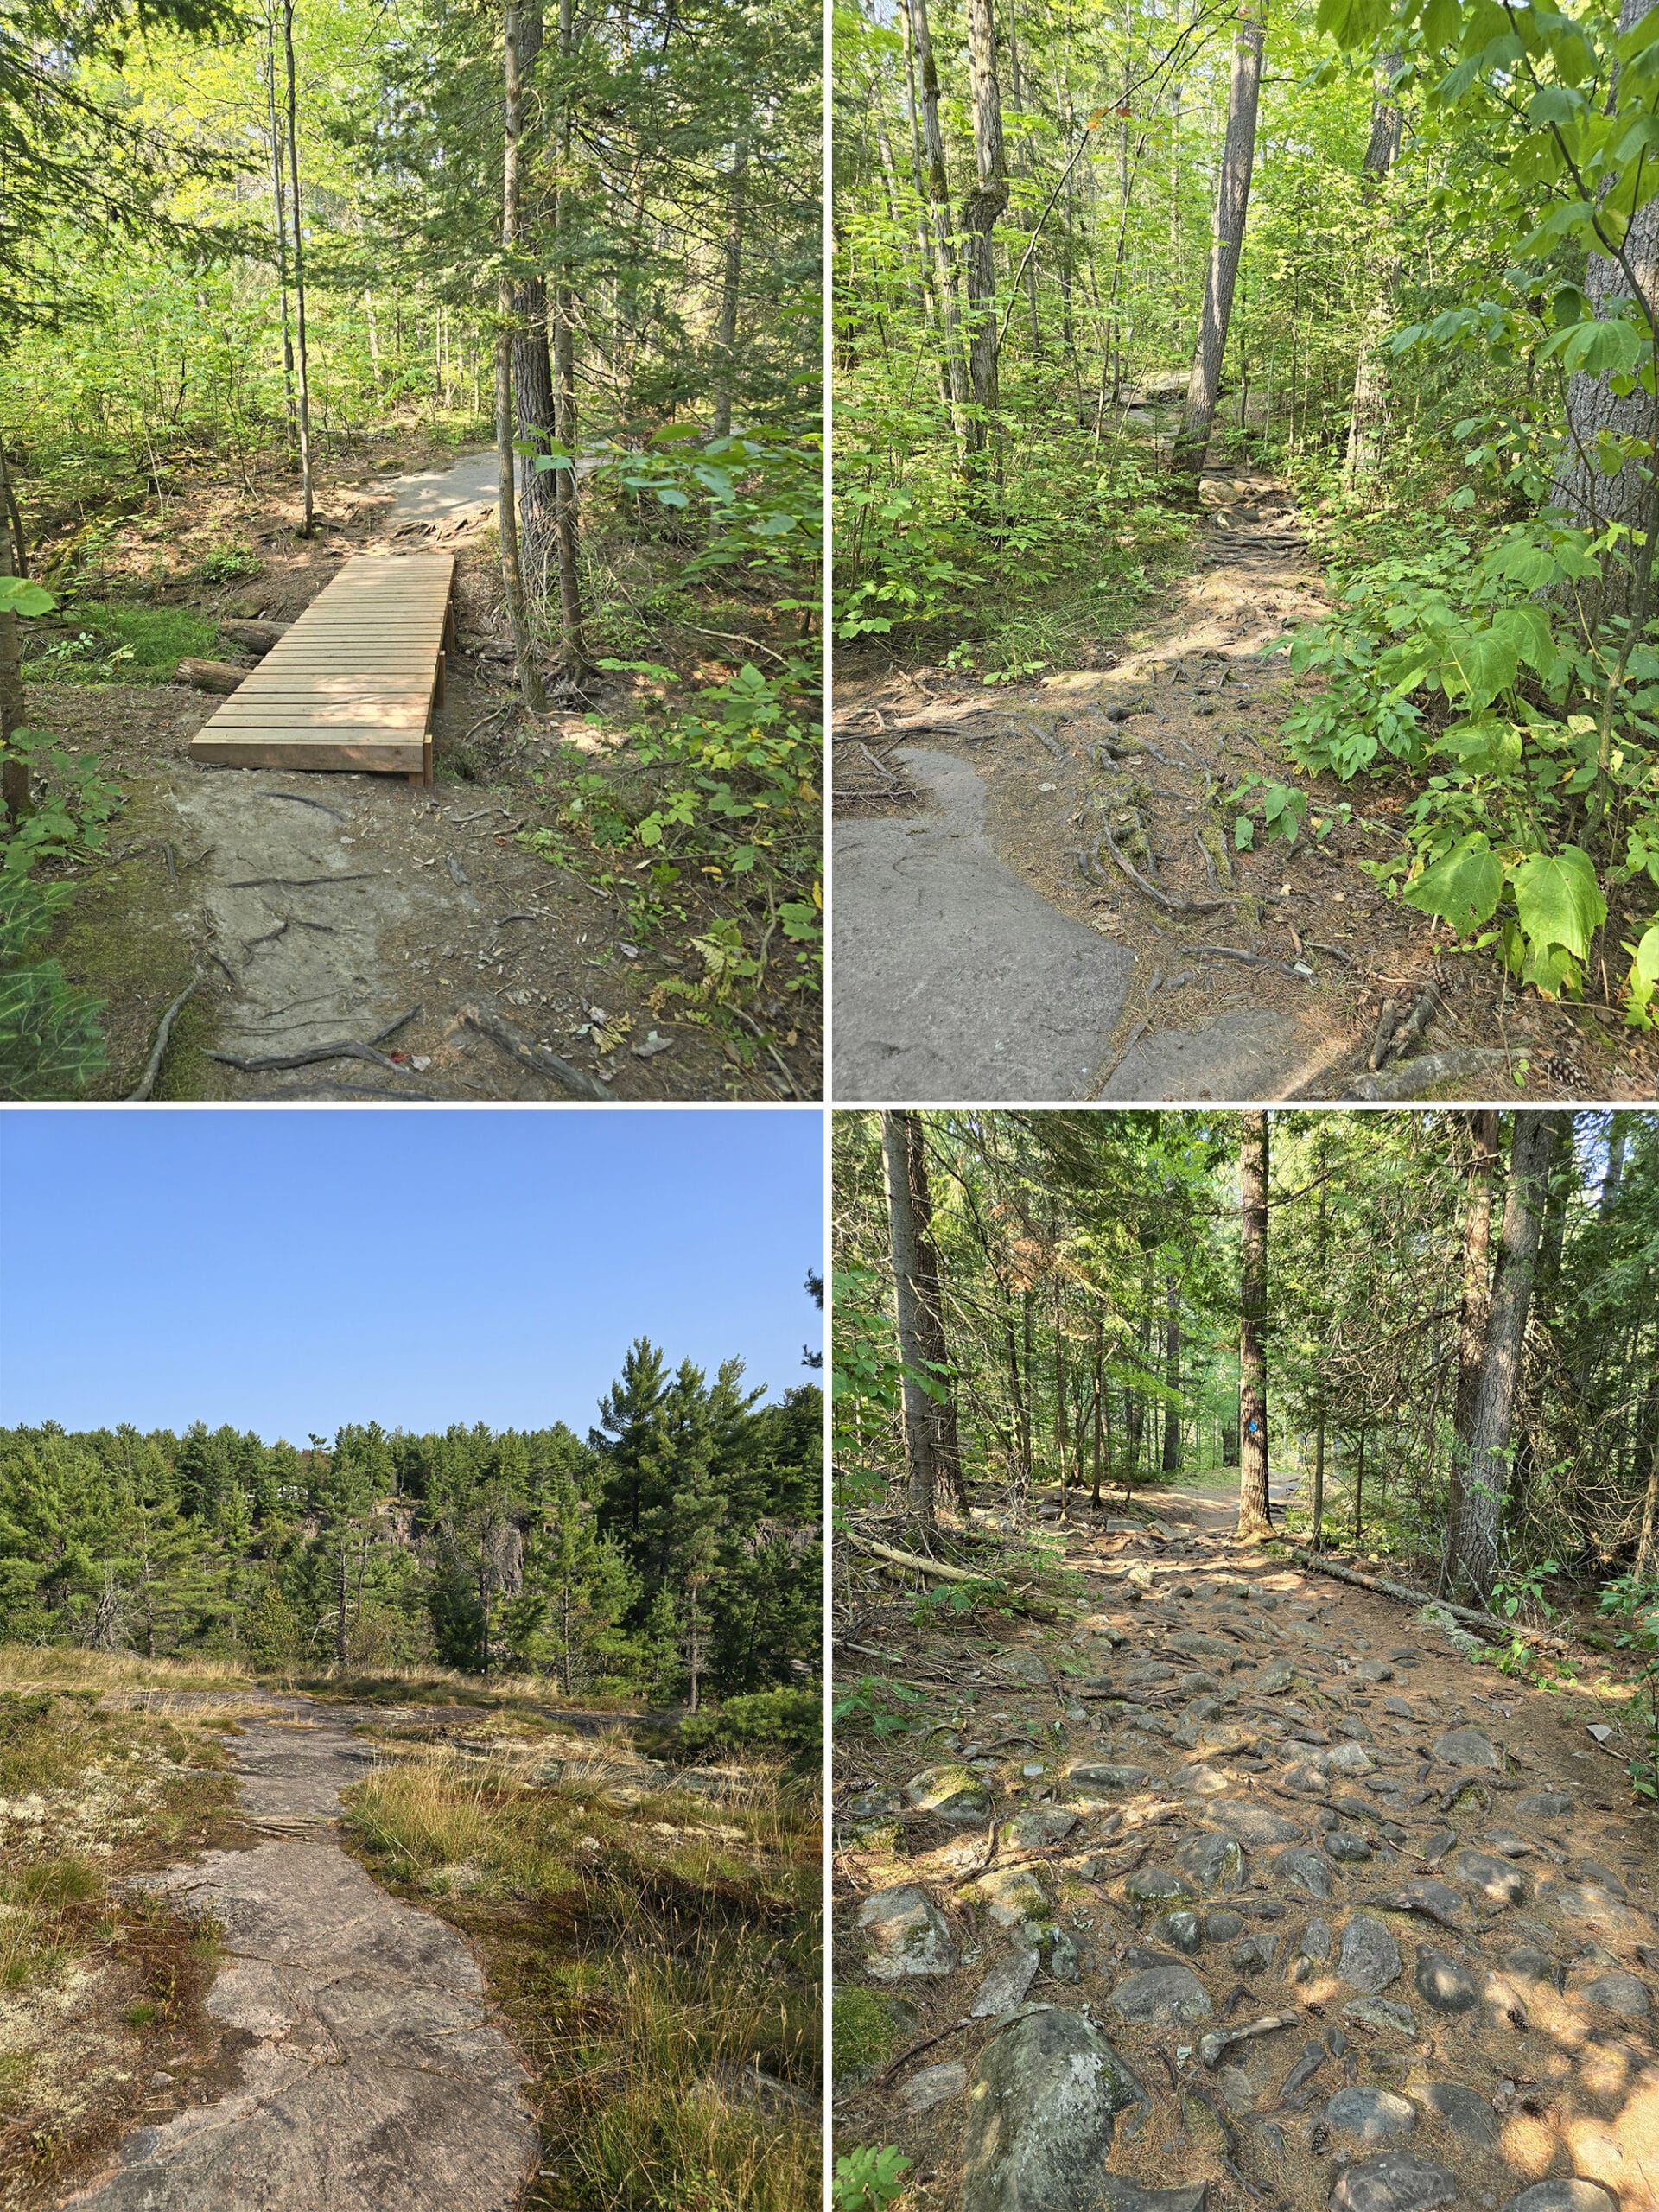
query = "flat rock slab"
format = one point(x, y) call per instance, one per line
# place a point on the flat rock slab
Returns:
point(377, 2078)
point(1249, 1053)
point(954, 979)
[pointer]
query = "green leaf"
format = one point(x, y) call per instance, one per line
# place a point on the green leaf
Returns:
point(1559, 901)
point(1243, 834)
point(1463, 887)
point(19, 596)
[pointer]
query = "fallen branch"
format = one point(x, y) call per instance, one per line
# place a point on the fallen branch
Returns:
point(1170, 906)
point(1385, 1588)
point(153, 1066)
point(257, 636)
point(1412, 1078)
point(536, 1058)
point(916, 2051)
point(913, 1560)
point(211, 675)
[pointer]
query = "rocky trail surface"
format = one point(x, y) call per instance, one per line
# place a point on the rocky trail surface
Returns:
point(1245, 1889)
point(368, 2069)
point(269, 934)
point(1038, 896)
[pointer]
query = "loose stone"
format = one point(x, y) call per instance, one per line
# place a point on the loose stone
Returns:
point(1347, 1845)
point(1251, 1823)
point(1470, 2116)
point(907, 1935)
point(934, 2085)
point(1214, 1862)
point(1562, 2197)
point(1468, 1747)
point(1042, 1824)
point(1498, 1882)
point(950, 1793)
point(1544, 1804)
point(1006, 1984)
point(1368, 1961)
point(1444, 1983)
point(1156, 1884)
point(1372, 2115)
point(1161, 1997)
point(1378, 2012)
point(1305, 1868)
point(1184, 1929)
point(1393, 2182)
point(1620, 1993)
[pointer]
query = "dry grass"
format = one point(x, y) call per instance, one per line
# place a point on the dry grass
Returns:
point(653, 1951)
point(67, 1667)
point(100, 1985)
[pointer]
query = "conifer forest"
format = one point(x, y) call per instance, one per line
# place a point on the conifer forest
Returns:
point(672, 1555)
point(533, 293)
point(1282, 375)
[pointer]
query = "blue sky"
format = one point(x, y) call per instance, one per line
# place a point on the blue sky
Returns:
point(289, 1271)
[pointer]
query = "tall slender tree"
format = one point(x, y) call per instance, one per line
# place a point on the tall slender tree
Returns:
point(1232, 204)
point(1255, 1512)
point(512, 580)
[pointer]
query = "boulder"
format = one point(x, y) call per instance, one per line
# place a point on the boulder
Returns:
point(1043, 2102)
point(950, 1793)
point(905, 1933)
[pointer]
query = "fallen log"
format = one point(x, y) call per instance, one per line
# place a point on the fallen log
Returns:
point(1322, 1564)
point(257, 636)
point(211, 675)
point(913, 1559)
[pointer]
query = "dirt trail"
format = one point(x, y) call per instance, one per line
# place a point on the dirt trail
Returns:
point(1244, 1889)
point(305, 910)
point(372, 2073)
point(988, 946)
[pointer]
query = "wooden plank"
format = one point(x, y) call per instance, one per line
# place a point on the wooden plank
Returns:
point(289, 716)
point(276, 752)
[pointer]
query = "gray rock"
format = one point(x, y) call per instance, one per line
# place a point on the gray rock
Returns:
point(1373, 1670)
point(1148, 1674)
point(934, 2085)
point(1313, 1949)
point(1278, 1677)
point(1368, 1961)
point(1470, 2116)
point(1161, 1997)
point(1006, 1985)
point(1305, 1868)
point(1347, 1758)
point(1184, 1929)
point(1620, 1993)
point(1444, 1982)
point(1590, 1903)
point(1372, 2115)
point(1041, 1824)
point(1348, 1845)
point(1042, 2107)
point(1393, 2182)
point(1544, 1804)
point(1253, 1824)
point(1015, 1896)
point(1527, 1963)
point(874, 1805)
point(1499, 1882)
point(1088, 1775)
point(1064, 1960)
point(1221, 1926)
point(1194, 1646)
point(1468, 1747)
point(1603, 1877)
point(907, 1935)
point(1157, 1884)
point(950, 1793)
point(1307, 1778)
point(1213, 1862)
point(1563, 2196)
point(1120, 2196)
point(1378, 2012)
point(1254, 1955)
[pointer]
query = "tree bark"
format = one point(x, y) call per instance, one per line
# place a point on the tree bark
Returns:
point(303, 360)
point(988, 201)
point(14, 774)
point(919, 1470)
point(532, 380)
point(1254, 1514)
point(573, 659)
point(1594, 411)
point(730, 288)
point(279, 204)
point(1172, 1378)
point(512, 582)
point(1531, 1155)
point(1473, 1307)
point(939, 202)
point(946, 1447)
point(1232, 202)
point(1368, 411)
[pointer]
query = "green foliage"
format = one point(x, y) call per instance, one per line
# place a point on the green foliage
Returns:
point(224, 565)
point(1634, 1600)
point(874, 1703)
point(790, 1721)
point(734, 802)
point(869, 2179)
point(114, 642)
point(51, 1041)
point(70, 800)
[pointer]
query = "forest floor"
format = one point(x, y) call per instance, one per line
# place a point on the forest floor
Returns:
point(416, 1991)
point(439, 909)
point(1324, 1913)
point(975, 957)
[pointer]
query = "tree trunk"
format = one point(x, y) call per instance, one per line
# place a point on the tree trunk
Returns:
point(573, 654)
point(1172, 1378)
point(1369, 407)
point(1645, 1561)
point(302, 356)
point(731, 278)
point(946, 1450)
point(938, 201)
point(1594, 411)
point(1232, 199)
point(1318, 1483)
point(1472, 1307)
point(1531, 1155)
point(980, 212)
point(512, 582)
point(534, 405)
point(1254, 1514)
point(342, 1641)
point(14, 773)
point(279, 203)
point(1100, 1413)
point(921, 1473)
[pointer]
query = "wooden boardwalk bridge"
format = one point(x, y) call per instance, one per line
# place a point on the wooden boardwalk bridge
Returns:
point(353, 683)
